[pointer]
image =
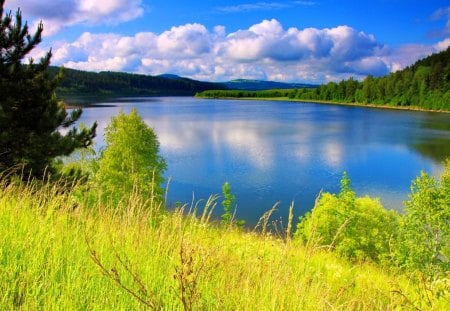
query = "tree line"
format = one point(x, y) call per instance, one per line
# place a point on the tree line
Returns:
point(424, 85)
point(275, 93)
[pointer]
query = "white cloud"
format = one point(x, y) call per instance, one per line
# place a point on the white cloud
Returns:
point(406, 55)
point(58, 14)
point(263, 51)
point(442, 45)
point(188, 40)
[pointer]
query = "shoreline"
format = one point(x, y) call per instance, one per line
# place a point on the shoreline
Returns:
point(325, 102)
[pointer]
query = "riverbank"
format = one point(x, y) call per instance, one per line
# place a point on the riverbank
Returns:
point(325, 102)
point(101, 257)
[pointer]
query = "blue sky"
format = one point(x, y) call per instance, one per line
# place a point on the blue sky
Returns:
point(296, 40)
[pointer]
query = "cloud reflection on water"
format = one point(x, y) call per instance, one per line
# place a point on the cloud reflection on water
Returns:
point(272, 151)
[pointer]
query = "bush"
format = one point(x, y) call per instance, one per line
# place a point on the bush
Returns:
point(424, 234)
point(229, 207)
point(356, 228)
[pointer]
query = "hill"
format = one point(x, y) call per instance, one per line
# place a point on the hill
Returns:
point(423, 85)
point(84, 83)
point(256, 85)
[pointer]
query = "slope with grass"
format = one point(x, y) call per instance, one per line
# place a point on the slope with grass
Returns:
point(59, 254)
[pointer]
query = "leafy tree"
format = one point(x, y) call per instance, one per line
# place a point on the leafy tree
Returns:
point(356, 228)
point(130, 161)
point(31, 116)
point(424, 239)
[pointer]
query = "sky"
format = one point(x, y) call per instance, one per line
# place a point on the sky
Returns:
point(307, 41)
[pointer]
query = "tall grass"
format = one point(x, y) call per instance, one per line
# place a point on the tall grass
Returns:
point(59, 254)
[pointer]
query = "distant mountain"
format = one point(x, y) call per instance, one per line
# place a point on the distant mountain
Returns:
point(170, 76)
point(259, 85)
point(106, 83)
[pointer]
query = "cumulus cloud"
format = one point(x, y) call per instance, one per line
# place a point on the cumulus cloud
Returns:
point(188, 40)
point(406, 55)
point(442, 45)
point(57, 14)
point(263, 51)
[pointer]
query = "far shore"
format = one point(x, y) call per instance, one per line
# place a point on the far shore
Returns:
point(326, 102)
point(315, 101)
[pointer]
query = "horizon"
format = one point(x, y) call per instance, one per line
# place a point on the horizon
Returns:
point(312, 42)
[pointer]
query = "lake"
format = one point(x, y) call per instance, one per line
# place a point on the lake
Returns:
point(275, 151)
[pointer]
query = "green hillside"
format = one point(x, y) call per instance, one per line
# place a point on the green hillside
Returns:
point(84, 83)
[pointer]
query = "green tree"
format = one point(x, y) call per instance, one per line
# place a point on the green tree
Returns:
point(368, 89)
point(350, 90)
point(424, 239)
point(130, 162)
point(31, 116)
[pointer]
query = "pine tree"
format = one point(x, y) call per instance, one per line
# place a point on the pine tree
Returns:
point(31, 116)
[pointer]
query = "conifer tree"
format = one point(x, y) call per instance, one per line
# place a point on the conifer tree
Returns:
point(31, 116)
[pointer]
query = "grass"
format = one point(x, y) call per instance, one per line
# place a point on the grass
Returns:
point(56, 254)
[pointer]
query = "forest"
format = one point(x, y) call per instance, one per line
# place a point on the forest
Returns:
point(423, 85)
point(107, 83)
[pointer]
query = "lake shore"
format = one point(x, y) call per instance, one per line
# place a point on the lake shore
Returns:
point(326, 102)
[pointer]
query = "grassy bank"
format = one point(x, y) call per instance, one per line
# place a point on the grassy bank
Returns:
point(326, 102)
point(60, 255)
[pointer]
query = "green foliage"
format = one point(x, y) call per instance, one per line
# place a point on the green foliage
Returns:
point(31, 116)
point(424, 238)
point(229, 208)
point(227, 203)
point(356, 228)
point(130, 162)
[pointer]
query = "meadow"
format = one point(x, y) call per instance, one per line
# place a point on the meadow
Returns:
point(61, 253)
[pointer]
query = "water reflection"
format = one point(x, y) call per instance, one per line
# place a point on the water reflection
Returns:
point(434, 142)
point(275, 151)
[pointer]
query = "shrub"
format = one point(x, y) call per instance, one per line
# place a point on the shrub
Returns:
point(229, 207)
point(424, 237)
point(356, 228)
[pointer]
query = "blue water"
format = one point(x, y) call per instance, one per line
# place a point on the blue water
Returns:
point(271, 151)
